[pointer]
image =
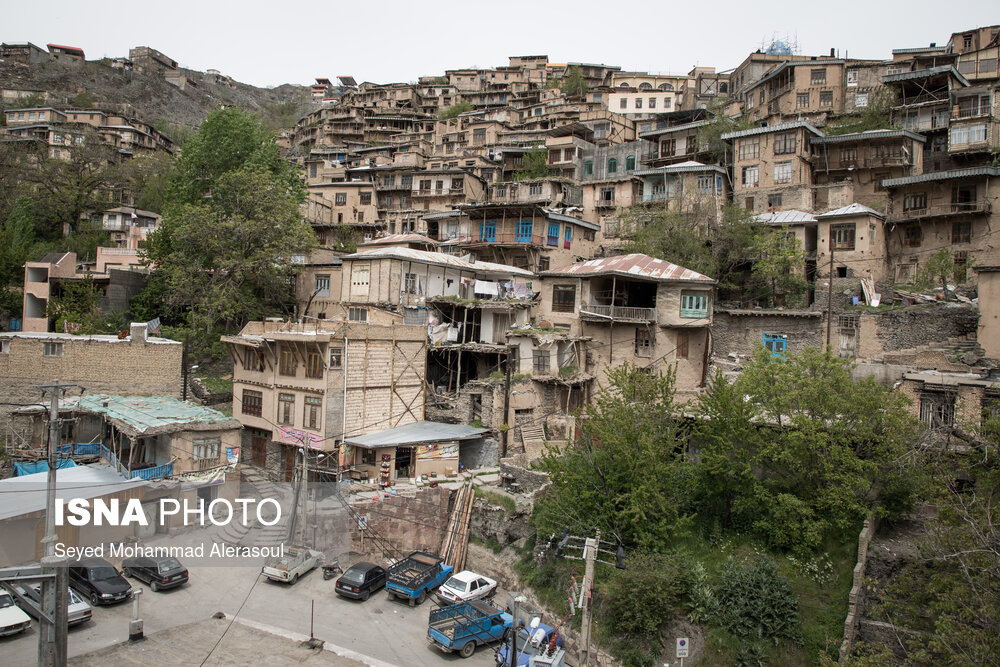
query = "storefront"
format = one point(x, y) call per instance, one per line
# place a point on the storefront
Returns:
point(421, 449)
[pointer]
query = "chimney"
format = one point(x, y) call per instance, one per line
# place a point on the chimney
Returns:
point(933, 44)
point(832, 52)
point(138, 332)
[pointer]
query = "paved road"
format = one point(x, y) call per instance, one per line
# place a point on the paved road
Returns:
point(377, 632)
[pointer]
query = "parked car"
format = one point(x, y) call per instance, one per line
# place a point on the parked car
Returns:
point(31, 602)
point(465, 586)
point(293, 563)
point(417, 575)
point(360, 581)
point(12, 619)
point(97, 580)
point(159, 572)
point(463, 626)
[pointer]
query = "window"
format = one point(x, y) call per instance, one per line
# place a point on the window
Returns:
point(553, 234)
point(340, 199)
point(623, 103)
point(776, 344)
point(963, 198)
point(694, 305)
point(751, 176)
point(360, 279)
point(336, 357)
point(784, 143)
point(652, 102)
point(749, 148)
point(826, 98)
point(801, 100)
point(630, 163)
point(313, 408)
point(252, 361)
point(842, 237)
point(314, 364)
point(543, 263)
point(915, 201)
point(457, 184)
point(961, 232)
point(705, 183)
point(322, 285)
point(540, 361)
point(52, 349)
point(205, 453)
point(535, 189)
point(563, 298)
point(612, 166)
point(479, 136)
point(357, 314)
point(668, 147)
point(252, 402)
point(287, 362)
point(567, 237)
point(968, 134)
point(588, 168)
point(817, 77)
point(638, 103)
point(861, 100)
point(409, 283)
point(913, 236)
point(937, 409)
point(852, 77)
point(782, 173)
point(286, 408)
point(774, 201)
point(607, 197)
point(848, 156)
point(643, 342)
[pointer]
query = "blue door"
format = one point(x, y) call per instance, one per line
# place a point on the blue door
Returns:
point(488, 231)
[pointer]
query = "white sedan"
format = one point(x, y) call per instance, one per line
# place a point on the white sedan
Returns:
point(12, 619)
point(465, 586)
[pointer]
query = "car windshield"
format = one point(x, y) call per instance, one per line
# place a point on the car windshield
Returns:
point(355, 575)
point(102, 573)
point(5, 601)
point(167, 565)
point(457, 584)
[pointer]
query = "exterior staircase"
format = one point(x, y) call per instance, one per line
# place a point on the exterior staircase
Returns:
point(949, 351)
point(253, 484)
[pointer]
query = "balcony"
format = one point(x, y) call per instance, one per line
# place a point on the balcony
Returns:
point(597, 312)
point(516, 239)
point(943, 211)
point(437, 192)
point(148, 473)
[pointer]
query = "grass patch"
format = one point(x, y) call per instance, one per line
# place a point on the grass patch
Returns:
point(217, 385)
point(498, 499)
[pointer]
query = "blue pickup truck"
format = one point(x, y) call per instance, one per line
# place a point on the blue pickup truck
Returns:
point(417, 576)
point(464, 626)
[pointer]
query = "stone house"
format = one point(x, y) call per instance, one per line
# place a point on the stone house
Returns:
point(865, 159)
point(686, 187)
point(309, 386)
point(26, 53)
point(856, 237)
point(945, 400)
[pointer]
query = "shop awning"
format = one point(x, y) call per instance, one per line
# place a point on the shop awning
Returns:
point(416, 433)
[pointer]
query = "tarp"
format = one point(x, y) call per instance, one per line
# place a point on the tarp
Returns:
point(31, 467)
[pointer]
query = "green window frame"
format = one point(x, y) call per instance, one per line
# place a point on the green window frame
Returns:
point(694, 304)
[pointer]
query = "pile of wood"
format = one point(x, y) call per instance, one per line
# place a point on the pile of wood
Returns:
point(455, 546)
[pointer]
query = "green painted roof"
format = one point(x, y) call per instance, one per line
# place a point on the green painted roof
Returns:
point(151, 415)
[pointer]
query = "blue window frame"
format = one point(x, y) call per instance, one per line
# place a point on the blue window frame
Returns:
point(553, 236)
point(694, 304)
point(568, 236)
point(488, 231)
point(776, 345)
point(523, 231)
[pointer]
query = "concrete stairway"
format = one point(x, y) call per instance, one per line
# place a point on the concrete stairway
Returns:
point(952, 349)
point(253, 484)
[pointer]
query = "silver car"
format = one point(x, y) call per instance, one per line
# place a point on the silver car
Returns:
point(79, 610)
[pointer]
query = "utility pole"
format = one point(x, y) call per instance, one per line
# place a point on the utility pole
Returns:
point(829, 296)
point(53, 620)
point(305, 487)
point(589, 556)
point(505, 434)
point(514, 630)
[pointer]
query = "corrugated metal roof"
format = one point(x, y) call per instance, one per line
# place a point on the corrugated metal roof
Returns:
point(398, 238)
point(416, 433)
point(681, 168)
point(149, 415)
point(851, 209)
point(922, 49)
point(97, 338)
point(438, 259)
point(781, 127)
point(789, 217)
point(561, 217)
point(633, 266)
point(941, 176)
point(674, 128)
point(26, 494)
point(924, 73)
point(868, 134)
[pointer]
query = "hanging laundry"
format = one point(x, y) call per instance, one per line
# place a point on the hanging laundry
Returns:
point(486, 287)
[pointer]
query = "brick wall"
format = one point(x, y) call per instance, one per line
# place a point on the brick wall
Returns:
point(123, 367)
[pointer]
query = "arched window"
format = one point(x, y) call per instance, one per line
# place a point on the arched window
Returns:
point(630, 163)
point(666, 87)
point(624, 84)
point(612, 166)
point(645, 85)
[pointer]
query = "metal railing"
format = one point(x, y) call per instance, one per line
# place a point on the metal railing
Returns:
point(527, 239)
point(152, 472)
point(80, 449)
point(620, 312)
point(955, 208)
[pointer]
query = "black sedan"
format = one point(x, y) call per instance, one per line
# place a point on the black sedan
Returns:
point(159, 572)
point(360, 580)
point(98, 581)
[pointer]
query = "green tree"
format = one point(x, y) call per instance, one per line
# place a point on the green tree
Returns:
point(626, 472)
point(78, 303)
point(574, 84)
point(454, 111)
point(535, 165)
point(876, 116)
point(939, 268)
point(84, 100)
point(795, 450)
point(779, 264)
point(710, 135)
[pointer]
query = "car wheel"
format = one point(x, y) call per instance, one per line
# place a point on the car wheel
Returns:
point(153, 586)
point(491, 594)
point(295, 577)
point(365, 596)
point(421, 597)
point(389, 596)
point(94, 599)
point(127, 572)
point(468, 650)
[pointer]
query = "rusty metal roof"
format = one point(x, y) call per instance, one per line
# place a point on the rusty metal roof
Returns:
point(632, 266)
